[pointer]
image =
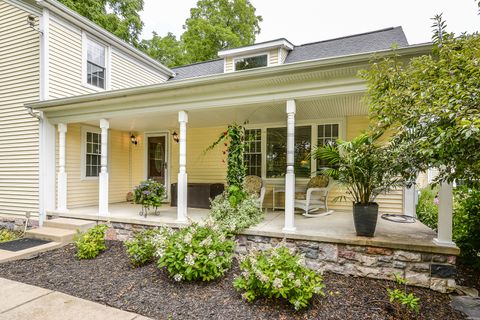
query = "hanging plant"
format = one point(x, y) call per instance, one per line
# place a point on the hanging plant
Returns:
point(234, 142)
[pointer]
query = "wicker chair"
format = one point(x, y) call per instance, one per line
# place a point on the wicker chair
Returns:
point(254, 185)
point(315, 196)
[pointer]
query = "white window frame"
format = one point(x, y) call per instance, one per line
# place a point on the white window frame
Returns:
point(83, 151)
point(108, 52)
point(314, 140)
point(267, 53)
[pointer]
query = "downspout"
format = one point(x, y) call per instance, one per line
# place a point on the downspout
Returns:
point(39, 116)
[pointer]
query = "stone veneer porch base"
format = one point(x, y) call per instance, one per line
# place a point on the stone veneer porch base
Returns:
point(436, 271)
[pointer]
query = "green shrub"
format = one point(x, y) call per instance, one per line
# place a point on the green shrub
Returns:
point(466, 224)
point(89, 244)
point(8, 235)
point(427, 208)
point(278, 273)
point(403, 302)
point(232, 219)
point(197, 253)
point(142, 249)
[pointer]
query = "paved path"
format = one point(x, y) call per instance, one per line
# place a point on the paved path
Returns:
point(19, 301)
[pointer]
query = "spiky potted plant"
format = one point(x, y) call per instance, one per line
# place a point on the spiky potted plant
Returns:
point(366, 168)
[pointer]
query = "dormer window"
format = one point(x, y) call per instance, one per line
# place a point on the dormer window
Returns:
point(251, 62)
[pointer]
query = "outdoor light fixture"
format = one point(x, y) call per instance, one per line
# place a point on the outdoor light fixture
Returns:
point(175, 137)
point(133, 139)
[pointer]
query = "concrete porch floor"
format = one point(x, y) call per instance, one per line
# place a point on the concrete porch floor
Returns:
point(335, 228)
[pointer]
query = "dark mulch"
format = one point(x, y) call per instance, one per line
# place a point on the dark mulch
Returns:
point(109, 279)
point(21, 244)
point(467, 276)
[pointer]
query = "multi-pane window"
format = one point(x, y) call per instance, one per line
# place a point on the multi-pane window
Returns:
point(251, 62)
point(253, 152)
point(96, 71)
point(277, 152)
point(92, 154)
point(327, 134)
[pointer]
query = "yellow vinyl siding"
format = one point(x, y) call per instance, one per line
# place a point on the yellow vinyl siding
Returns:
point(127, 73)
point(65, 49)
point(229, 64)
point(19, 83)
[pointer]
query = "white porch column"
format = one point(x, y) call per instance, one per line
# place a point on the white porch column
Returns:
point(290, 175)
point(61, 175)
point(410, 201)
point(103, 178)
point(182, 174)
point(445, 213)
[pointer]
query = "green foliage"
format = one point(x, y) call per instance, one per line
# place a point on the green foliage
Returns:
point(149, 194)
point(233, 219)
point(466, 224)
point(197, 253)
point(432, 104)
point(142, 249)
point(277, 273)
point(234, 141)
point(168, 50)
point(89, 244)
point(427, 207)
point(120, 17)
point(362, 165)
point(402, 301)
point(215, 25)
point(8, 235)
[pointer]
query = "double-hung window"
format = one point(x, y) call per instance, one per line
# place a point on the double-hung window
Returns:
point(96, 64)
point(253, 152)
point(92, 154)
point(327, 134)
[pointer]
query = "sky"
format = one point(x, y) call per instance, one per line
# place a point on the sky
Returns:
point(304, 21)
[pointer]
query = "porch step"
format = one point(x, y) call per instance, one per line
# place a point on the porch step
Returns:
point(69, 224)
point(51, 234)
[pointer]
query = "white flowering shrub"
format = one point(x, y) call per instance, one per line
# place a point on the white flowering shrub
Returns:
point(146, 245)
point(278, 273)
point(196, 253)
point(234, 218)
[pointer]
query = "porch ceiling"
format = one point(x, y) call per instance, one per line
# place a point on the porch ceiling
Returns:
point(319, 108)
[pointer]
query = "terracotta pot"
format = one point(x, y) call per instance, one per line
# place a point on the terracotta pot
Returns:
point(365, 219)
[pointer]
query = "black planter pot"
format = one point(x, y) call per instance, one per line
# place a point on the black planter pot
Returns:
point(365, 219)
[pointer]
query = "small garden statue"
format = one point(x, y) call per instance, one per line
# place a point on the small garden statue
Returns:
point(150, 195)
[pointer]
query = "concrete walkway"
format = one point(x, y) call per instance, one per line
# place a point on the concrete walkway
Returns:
point(22, 301)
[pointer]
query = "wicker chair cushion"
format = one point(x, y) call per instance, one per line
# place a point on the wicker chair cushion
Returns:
point(253, 185)
point(320, 181)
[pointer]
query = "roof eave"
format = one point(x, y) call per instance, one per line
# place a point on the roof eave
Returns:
point(96, 30)
point(239, 75)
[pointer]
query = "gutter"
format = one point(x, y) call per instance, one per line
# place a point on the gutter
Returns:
point(92, 28)
point(34, 114)
point(232, 76)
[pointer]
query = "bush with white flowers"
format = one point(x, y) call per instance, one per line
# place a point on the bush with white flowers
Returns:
point(196, 253)
point(278, 273)
point(147, 245)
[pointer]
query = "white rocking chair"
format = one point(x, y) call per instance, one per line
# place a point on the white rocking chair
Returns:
point(315, 197)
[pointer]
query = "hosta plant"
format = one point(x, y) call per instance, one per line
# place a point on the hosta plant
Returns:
point(197, 253)
point(145, 245)
point(89, 244)
point(232, 219)
point(278, 273)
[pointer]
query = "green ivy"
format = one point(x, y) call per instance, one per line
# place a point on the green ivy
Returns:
point(278, 273)
point(89, 244)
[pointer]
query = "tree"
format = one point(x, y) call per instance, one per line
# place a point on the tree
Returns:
point(215, 25)
point(168, 50)
point(120, 17)
point(432, 103)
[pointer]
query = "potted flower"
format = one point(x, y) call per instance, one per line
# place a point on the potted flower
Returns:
point(366, 169)
point(149, 194)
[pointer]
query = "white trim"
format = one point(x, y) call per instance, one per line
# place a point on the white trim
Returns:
point(267, 53)
point(168, 157)
point(25, 6)
point(47, 164)
point(282, 43)
point(107, 63)
point(83, 23)
point(83, 140)
point(45, 55)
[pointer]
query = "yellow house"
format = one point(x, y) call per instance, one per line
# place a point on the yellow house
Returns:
point(108, 142)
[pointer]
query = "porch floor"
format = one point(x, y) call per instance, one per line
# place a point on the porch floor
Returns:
point(335, 228)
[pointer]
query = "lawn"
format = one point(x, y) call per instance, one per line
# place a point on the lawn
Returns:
point(110, 279)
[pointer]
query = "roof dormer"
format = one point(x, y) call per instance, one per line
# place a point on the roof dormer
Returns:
point(265, 54)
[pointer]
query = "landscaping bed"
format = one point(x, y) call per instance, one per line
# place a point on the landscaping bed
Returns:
point(110, 279)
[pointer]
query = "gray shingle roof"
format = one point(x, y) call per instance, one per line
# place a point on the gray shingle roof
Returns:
point(359, 43)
